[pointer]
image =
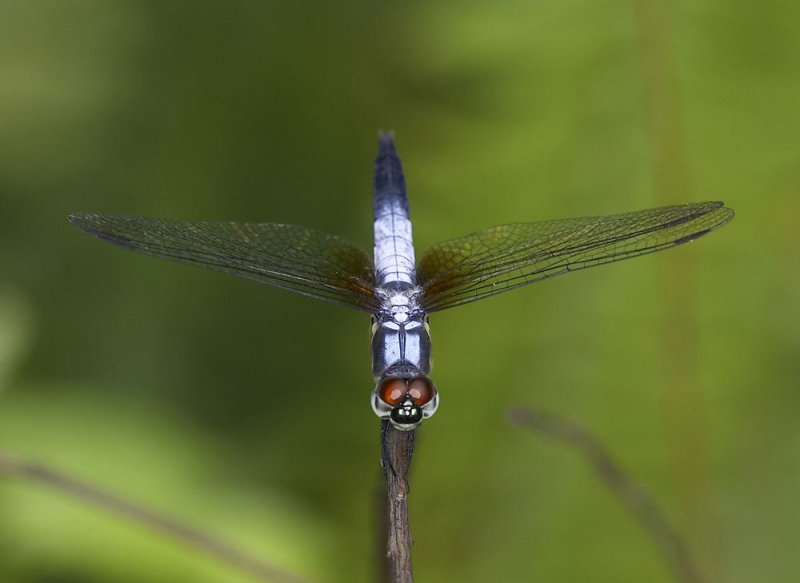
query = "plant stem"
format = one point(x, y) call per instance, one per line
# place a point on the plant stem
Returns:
point(671, 545)
point(396, 450)
point(198, 539)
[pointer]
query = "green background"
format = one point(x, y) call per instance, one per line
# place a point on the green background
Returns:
point(245, 410)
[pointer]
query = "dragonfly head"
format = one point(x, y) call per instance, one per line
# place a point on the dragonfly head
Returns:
point(405, 401)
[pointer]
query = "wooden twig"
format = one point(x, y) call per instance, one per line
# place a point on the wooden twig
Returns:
point(671, 545)
point(202, 541)
point(397, 448)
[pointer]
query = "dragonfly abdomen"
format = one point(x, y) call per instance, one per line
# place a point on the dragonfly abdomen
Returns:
point(394, 246)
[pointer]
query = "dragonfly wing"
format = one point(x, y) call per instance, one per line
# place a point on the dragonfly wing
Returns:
point(505, 257)
point(291, 257)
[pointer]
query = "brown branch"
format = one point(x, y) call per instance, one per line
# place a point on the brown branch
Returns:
point(396, 450)
point(156, 521)
point(672, 547)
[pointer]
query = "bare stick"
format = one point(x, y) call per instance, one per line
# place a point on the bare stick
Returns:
point(396, 450)
point(672, 547)
point(92, 495)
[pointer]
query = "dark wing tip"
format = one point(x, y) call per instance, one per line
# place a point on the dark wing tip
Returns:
point(87, 222)
point(80, 220)
point(719, 204)
point(709, 217)
point(722, 213)
point(103, 227)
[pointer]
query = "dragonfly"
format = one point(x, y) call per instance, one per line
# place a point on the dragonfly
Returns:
point(390, 284)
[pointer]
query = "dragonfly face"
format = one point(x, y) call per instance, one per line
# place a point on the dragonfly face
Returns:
point(405, 401)
point(391, 284)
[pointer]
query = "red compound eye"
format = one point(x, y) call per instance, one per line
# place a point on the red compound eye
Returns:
point(392, 390)
point(421, 390)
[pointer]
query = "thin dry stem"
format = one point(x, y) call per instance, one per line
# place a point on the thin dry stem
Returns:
point(202, 541)
point(396, 450)
point(671, 545)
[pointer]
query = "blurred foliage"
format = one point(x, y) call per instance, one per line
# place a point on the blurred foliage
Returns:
point(245, 410)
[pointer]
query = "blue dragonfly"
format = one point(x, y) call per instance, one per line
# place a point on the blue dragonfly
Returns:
point(390, 284)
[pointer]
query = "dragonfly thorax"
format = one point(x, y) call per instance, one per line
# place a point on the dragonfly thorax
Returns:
point(401, 344)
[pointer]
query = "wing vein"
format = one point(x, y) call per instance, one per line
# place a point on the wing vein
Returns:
point(505, 257)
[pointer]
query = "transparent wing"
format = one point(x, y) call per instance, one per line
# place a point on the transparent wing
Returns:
point(295, 258)
point(505, 257)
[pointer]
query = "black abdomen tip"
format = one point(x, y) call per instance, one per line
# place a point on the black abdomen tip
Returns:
point(390, 184)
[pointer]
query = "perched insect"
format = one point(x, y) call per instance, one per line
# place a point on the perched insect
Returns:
point(397, 290)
